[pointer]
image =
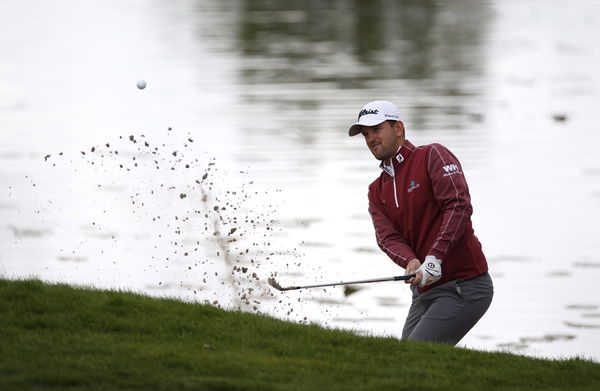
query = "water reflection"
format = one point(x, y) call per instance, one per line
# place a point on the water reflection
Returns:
point(362, 40)
point(420, 52)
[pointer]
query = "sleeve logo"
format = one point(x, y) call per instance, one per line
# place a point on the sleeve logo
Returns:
point(451, 169)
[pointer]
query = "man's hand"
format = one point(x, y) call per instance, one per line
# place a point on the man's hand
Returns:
point(411, 268)
point(429, 272)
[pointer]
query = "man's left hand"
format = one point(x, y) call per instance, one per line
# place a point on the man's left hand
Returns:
point(431, 271)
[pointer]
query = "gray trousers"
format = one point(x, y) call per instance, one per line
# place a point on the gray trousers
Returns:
point(447, 312)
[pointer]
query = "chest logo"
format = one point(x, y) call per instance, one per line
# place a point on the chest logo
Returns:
point(413, 185)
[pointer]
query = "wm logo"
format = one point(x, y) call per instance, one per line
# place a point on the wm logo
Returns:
point(450, 168)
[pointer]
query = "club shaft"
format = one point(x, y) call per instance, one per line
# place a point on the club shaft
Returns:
point(395, 278)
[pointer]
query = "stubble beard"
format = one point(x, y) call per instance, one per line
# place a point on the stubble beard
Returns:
point(382, 154)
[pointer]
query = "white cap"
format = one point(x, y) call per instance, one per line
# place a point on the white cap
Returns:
point(375, 113)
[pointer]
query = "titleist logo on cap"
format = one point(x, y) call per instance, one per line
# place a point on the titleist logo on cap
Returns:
point(365, 112)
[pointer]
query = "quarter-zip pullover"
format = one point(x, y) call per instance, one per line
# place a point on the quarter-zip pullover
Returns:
point(420, 205)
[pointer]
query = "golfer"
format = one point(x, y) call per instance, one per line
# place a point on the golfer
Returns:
point(421, 209)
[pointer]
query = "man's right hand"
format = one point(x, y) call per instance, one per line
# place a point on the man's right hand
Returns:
point(411, 268)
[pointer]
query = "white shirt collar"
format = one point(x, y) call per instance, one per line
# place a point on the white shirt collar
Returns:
point(389, 168)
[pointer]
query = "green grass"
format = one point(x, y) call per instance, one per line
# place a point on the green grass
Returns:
point(65, 338)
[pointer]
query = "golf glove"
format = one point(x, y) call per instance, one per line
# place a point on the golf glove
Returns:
point(431, 269)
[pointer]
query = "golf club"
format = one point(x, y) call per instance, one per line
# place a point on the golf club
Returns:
point(276, 285)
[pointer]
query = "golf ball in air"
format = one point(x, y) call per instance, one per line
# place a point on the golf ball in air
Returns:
point(141, 84)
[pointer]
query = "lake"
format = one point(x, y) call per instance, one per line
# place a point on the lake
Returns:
point(233, 165)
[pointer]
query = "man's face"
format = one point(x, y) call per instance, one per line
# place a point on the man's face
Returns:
point(384, 139)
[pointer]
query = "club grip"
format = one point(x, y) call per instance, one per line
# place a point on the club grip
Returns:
point(406, 277)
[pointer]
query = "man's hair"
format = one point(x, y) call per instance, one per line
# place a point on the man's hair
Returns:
point(393, 122)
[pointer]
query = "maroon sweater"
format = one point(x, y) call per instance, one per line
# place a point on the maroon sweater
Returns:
point(422, 207)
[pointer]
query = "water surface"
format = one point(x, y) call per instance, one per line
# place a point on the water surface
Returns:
point(234, 164)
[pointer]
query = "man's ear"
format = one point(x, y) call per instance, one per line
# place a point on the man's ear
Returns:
point(399, 128)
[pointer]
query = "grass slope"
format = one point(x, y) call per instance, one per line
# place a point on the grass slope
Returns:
point(65, 338)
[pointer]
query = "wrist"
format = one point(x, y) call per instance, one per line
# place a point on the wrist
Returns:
point(436, 253)
point(434, 258)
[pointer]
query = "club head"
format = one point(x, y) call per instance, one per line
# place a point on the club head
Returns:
point(276, 285)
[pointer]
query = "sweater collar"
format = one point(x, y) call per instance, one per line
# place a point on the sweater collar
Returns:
point(404, 150)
